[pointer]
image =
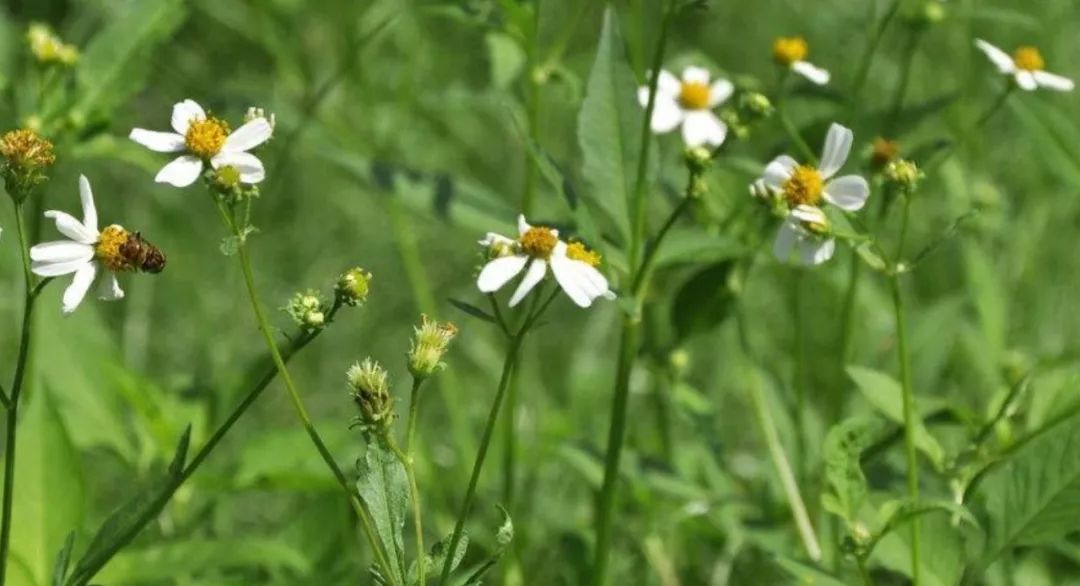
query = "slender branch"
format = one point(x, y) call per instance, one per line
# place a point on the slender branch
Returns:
point(414, 494)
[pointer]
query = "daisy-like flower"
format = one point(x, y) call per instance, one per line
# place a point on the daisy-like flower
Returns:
point(791, 52)
point(537, 247)
point(88, 250)
point(1026, 66)
point(206, 140)
point(802, 189)
point(689, 102)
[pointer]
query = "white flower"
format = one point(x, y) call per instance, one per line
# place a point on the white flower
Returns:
point(1025, 65)
point(537, 247)
point(84, 254)
point(803, 188)
point(689, 102)
point(205, 139)
point(791, 52)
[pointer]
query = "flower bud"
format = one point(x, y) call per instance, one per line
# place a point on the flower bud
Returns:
point(25, 157)
point(428, 345)
point(755, 106)
point(307, 310)
point(371, 392)
point(48, 48)
point(352, 287)
point(698, 159)
point(903, 175)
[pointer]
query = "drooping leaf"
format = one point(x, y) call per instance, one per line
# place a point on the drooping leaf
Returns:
point(383, 485)
point(703, 301)
point(886, 395)
point(49, 498)
point(503, 537)
point(756, 566)
point(844, 444)
point(506, 57)
point(472, 310)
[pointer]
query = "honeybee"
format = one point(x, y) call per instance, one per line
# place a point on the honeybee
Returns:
point(142, 255)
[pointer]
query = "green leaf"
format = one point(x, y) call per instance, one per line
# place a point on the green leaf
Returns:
point(896, 513)
point(49, 495)
point(473, 310)
point(384, 487)
point(609, 127)
point(844, 445)
point(125, 523)
point(1033, 496)
point(506, 57)
point(437, 557)
point(185, 560)
point(703, 301)
point(941, 552)
point(117, 61)
point(63, 560)
point(886, 395)
point(758, 567)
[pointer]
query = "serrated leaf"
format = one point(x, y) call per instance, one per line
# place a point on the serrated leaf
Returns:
point(383, 485)
point(886, 395)
point(609, 127)
point(125, 523)
point(844, 445)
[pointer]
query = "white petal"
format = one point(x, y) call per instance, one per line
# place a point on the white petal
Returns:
point(250, 167)
point(80, 284)
point(181, 172)
point(814, 251)
point(836, 149)
point(848, 193)
point(570, 280)
point(249, 136)
point(668, 84)
point(809, 71)
point(56, 269)
point(702, 127)
point(1026, 80)
point(184, 113)
point(809, 213)
point(110, 288)
point(162, 142)
point(1001, 59)
point(533, 276)
point(778, 172)
point(1055, 82)
point(666, 114)
point(523, 226)
point(496, 273)
point(492, 238)
point(72, 228)
point(86, 196)
point(785, 240)
point(61, 251)
point(695, 75)
point(720, 91)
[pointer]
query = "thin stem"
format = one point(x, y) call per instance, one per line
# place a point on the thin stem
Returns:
point(796, 137)
point(650, 255)
point(874, 41)
point(294, 395)
point(864, 572)
point(414, 494)
point(414, 413)
point(905, 79)
point(509, 363)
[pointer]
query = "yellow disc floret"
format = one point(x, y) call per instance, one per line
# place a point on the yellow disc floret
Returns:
point(788, 50)
point(538, 242)
point(804, 187)
point(1028, 58)
point(578, 251)
point(205, 137)
point(107, 249)
point(694, 95)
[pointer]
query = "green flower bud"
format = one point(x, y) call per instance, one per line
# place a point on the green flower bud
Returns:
point(903, 175)
point(352, 287)
point(428, 345)
point(371, 392)
point(308, 311)
point(755, 106)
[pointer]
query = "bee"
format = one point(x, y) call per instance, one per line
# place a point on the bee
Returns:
point(141, 254)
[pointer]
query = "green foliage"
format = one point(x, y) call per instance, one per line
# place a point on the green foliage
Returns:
point(883, 392)
point(384, 488)
point(841, 453)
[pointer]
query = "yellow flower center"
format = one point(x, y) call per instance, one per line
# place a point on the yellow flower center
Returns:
point(578, 251)
point(538, 242)
point(205, 137)
point(1028, 59)
point(804, 187)
point(108, 249)
point(694, 95)
point(788, 50)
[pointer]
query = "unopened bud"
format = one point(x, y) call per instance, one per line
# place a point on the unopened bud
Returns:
point(352, 287)
point(698, 159)
point(755, 106)
point(428, 346)
point(371, 392)
point(48, 48)
point(903, 174)
point(307, 310)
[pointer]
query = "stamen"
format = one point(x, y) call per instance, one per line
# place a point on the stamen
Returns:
point(205, 137)
point(804, 187)
point(538, 242)
point(108, 249)
point(1028, 58)
point(694, 95)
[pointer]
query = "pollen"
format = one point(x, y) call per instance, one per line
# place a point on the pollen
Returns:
point(804, 187)
point(1028, 58)
point(578, 251)
point(538, 242)
point(205, 137)
point(789, 50)
point(694, 95)
point(108, 249)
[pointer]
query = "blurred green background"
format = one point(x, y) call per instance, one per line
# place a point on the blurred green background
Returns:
point(399, 142)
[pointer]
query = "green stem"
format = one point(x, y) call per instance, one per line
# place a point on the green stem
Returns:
point(414, 494)
point(414, 413)
point(793, 133)
point(864, 572)
point(294, 395)
point(800, 377)
point(876, 34)
point(905, 79)
point(509, 364)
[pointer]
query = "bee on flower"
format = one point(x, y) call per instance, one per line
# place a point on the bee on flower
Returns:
point(1026, 66)
point(538, 247)
point(89, 250)
point(791, 53)
point(800, 190)
point(206, 140)
point(689, 102)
